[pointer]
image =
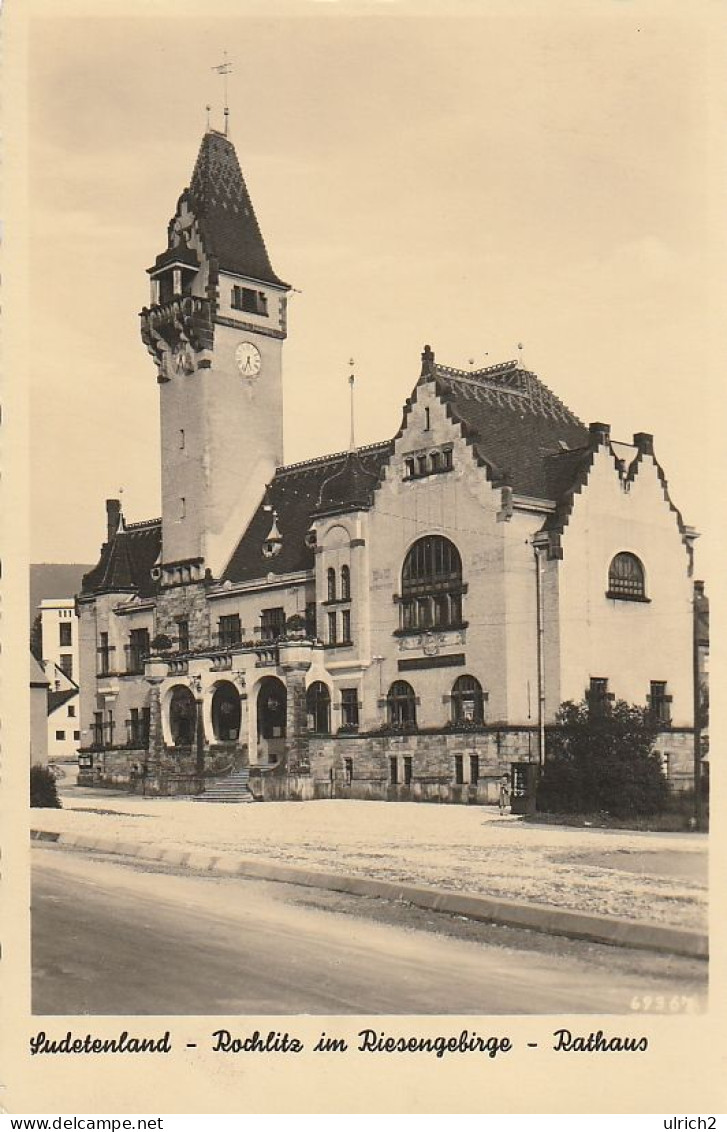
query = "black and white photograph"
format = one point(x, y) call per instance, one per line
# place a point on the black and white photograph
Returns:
point(372, 366)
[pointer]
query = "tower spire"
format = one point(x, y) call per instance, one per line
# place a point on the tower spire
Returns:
point(351, 383)
point(225, 69)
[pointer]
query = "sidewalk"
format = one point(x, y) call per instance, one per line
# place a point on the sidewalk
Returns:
point(655, 878)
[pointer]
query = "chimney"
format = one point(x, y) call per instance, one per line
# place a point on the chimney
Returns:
point(427, 362)
point(699, 589)
point(600, 433)
point(113, 514)
point(644, 441)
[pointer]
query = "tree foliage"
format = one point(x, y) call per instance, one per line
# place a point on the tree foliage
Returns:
point(603, 761)
point(43, 790)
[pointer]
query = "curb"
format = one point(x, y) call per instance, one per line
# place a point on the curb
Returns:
point(537, 917)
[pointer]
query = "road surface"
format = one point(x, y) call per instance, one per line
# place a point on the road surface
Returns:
point(114, 937)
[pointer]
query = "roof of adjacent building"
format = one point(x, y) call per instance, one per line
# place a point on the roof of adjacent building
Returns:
point(514, 424)
point(38, 678)
point(218, 197)
point(58, 699)
point(292, 498)
point(126, 561)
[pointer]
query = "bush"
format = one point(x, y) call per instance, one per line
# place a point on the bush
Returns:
point(43, 791)
point(603, 762)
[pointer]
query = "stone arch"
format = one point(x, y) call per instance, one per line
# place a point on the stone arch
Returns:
point(181, 715)
point(226, 712)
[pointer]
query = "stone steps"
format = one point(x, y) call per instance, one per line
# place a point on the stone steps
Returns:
point(233, 788)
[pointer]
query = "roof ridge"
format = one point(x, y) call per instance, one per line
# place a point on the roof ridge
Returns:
point(140, 524)
point(319, 461)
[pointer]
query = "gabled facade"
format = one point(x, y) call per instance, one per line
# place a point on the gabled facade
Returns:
point(399, 620)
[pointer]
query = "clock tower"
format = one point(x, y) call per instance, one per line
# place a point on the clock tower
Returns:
point(215, 328)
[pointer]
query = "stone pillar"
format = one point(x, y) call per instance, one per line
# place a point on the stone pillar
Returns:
point(295, 660)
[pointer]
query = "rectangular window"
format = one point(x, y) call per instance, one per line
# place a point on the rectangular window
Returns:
point(332, 629)
point(76, 736)
point(66, 664)
point(659, 702)
point(346, 624)
point(394, 770)
point(249, 301)
point(459, 769)
point(474, 769)
point(348, 770)
point(349, 707)
point(447, 459)
point(71, 710)
point(407, 770)
point(65, 635)
point(137, 650)
point(434, 460)
point(97, 729)
point(422, 465)
point(598, 695)
point(183, 635)
point(229, 630)
point(409, 471)
point(60, 735)
point(310, 620)
point(272, 623)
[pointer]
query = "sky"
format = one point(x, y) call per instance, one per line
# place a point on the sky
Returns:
point(534, 174)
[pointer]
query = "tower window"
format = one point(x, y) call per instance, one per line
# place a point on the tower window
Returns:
point(249, 301)
point(65, 635)
point(426, 418)
point(345, 583)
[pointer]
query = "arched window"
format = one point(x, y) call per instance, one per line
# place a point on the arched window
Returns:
point(345, 583)
point(468, 701)
point(401, 705)
point(626, 577)
point(331, 584)
point(431, 585)
point(318, 708)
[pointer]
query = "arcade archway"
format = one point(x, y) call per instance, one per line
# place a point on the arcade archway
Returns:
point(226, 712)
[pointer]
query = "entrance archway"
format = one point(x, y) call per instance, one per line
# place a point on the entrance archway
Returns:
point(182, 716)
point(318, 708)
point(226, 712)
point(272, 701)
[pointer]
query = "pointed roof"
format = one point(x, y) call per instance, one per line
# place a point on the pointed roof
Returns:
point(126, 561)
point(218, 197)
point(349, 487)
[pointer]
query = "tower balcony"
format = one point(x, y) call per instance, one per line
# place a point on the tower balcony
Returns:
point(172, 330)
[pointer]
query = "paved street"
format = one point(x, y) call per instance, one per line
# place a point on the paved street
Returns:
point(112, 938)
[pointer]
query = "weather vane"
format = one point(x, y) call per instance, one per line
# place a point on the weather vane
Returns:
point(224, 69)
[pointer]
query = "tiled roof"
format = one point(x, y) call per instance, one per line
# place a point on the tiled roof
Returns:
point(350, 486)
point(514, 424)
point(218, 197)
point(58, 699)
point(181, 253)
point(294, 495)
point(126, 561)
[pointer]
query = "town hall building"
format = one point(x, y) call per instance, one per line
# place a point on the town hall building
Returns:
point(400, 620)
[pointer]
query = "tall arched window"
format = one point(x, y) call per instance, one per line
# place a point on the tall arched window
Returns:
point(626, 577)
point(345, 583)
point(318, 708)
point(431, 585)
point(331, 575)
point(468, 701)
point(401, 705)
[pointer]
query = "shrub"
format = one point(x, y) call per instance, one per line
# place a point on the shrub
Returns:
point(603, 762)
point(43, 791)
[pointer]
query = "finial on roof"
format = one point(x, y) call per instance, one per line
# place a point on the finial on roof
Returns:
point(208, 108)
point(520, 349)
point(224, 69)
point(351, 383)
point(427, 362)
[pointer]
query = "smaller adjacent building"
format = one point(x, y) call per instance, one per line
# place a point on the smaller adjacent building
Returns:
point(38, 714)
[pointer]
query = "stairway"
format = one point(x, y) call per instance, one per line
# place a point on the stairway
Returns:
point(232, 788)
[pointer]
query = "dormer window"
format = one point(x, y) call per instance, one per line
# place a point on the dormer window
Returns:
point(249, 301)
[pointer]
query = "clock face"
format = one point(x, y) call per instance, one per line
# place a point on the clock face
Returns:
point(248, 359)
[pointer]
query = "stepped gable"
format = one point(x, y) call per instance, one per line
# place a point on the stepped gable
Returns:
point(126, 561)
point(512, 420)
point(294, 494)
point(219, 199)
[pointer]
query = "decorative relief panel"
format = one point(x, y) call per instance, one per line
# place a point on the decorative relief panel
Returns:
point(431, 642)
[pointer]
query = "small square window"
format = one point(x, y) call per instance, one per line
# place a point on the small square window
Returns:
point(60, 735)
point(71, 710)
